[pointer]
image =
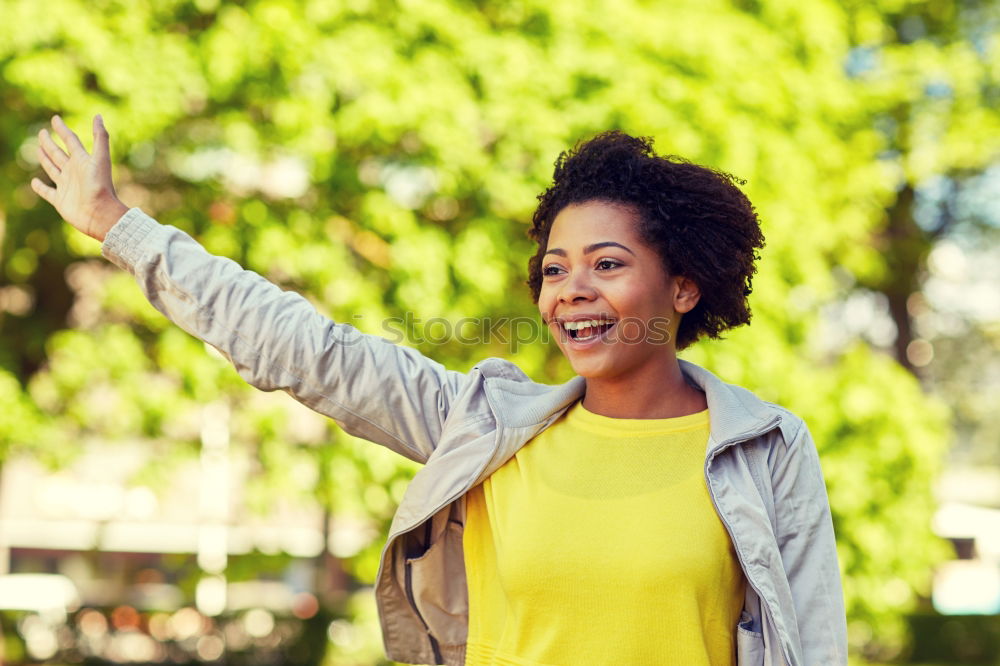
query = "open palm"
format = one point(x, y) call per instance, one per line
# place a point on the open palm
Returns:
point(84, 194)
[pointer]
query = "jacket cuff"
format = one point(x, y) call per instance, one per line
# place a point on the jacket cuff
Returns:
point(124, 243)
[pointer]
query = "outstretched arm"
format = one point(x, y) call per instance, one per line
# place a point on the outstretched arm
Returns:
point(382, 392)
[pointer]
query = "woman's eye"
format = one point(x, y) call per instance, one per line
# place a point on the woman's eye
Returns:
point(550, 270)
point(608, 264)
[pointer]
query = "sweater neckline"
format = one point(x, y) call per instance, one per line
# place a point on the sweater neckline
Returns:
point(578, 416)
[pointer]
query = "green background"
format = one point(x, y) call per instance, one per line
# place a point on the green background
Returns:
point(383, 158)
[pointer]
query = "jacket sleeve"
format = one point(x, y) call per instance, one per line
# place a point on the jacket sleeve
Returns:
point(808, 550)
point(276, 339)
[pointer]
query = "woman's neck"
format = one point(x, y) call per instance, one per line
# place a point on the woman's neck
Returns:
point(662, 393)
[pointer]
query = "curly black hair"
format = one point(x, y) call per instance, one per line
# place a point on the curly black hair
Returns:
point(696, 218)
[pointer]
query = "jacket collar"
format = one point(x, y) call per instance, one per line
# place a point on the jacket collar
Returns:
point(735, 414)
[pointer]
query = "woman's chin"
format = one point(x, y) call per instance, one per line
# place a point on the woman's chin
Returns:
point(590, 368)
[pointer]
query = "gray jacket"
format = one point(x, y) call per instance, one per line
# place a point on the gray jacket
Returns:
point(761, 465)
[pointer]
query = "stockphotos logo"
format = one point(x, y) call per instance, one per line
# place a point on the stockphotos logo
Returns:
point(510, 332)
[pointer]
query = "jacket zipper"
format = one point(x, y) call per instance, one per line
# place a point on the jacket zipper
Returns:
point(413, 604)
point(428, 528)
point(729, 528)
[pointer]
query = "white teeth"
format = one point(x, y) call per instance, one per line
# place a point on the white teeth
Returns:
point(578, 325)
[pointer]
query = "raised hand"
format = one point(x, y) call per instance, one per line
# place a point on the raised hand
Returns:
point(83, 194)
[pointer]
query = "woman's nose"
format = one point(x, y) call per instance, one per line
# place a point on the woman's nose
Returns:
point(577, 287)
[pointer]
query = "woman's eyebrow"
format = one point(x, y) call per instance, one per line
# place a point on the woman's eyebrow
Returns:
point(591, 248)
point(598, 246)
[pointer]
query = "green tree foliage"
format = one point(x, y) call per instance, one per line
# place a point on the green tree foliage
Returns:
point(383, 158)
point(931, 84)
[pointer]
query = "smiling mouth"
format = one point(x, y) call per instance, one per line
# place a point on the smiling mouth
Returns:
point(587, 330)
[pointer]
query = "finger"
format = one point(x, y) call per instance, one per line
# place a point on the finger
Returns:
point(54, 172)
point(52, 150)
point(43, 190)
point(102, 148)
point(72, 141)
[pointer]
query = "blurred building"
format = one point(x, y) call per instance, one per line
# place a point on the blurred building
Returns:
point(93, 565)
point(969, 517)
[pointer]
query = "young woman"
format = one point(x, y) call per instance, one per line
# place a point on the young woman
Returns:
point(644, 512)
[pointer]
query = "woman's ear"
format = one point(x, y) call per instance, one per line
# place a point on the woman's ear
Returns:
point(686, 294)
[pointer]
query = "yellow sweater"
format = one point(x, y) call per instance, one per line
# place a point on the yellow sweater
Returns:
point(598, 544)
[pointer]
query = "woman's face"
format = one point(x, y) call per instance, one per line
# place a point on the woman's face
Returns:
point(605, 294)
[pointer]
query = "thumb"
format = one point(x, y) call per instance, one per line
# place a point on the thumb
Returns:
point(101, 139)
